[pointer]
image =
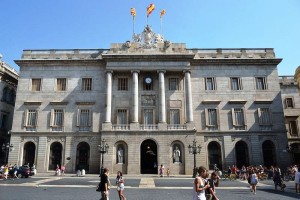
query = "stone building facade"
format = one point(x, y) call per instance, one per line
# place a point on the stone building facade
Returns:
point(290, 91)
point(149, 99)
point(8, 87)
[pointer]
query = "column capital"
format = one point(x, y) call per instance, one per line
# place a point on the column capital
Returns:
point(137, 71)
point(187, 71)
point(161, 71)
point(109, 71)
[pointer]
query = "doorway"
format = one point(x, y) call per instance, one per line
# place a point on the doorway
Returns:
point(29, 154)
point(214, 155)
point(149, 157)
point(241, 154)
point(268, 149)
point(55, 156)
point(83, 156)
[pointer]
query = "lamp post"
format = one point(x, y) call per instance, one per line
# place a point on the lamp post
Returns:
point(6, 148)
point(194, 149)
point(103, 148)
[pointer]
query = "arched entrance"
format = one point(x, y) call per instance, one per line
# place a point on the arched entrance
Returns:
point(214, 155)
point(55, 156)
point(83, 156)
point(241, 154)
point(148, 157)
point(29, 153)
point(268, 149)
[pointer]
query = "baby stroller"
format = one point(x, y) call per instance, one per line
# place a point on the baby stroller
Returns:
point(279, 182)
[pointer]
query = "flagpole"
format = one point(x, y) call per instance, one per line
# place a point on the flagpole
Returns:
point(161, 25)
point(133, 24)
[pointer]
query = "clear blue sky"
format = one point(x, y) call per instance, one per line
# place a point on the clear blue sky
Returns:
point(92, 24)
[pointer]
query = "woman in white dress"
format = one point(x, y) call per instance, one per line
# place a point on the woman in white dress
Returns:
point(199, 185)
point(297, 180)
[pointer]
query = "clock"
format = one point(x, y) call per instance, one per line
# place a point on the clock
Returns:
point(148, 80)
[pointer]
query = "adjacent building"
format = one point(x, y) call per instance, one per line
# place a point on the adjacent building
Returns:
point(8, 87)
point(290, 91)
point(149, 99)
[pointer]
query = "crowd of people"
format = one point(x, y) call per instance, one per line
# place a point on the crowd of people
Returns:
point(11, 171)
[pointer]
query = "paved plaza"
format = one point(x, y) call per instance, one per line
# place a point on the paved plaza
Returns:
point(150, 187)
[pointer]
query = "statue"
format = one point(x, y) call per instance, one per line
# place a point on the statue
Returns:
point(120, 155)
point(176, 155)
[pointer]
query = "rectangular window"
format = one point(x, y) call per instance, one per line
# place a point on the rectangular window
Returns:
point(31, 118)
point(236, 83)
point(123, 84)
point(122, 116)
point(148, 117)
point(57, 116)
point(36, 84)
point(86, 84)
point(264, 116)
point(211, 117)
point(210, 83)
point(84, 119)
point(261, 83)
point(61, 84)
point(3, 121)
point(289, 103)
point(293, 128)
point(174, 116)
point(174, 84)
point(238, 117)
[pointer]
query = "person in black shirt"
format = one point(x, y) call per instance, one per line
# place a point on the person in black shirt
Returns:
point(213, 182)
point(104, 184)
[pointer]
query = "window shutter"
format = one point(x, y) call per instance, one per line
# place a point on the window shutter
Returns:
point(285, 103)
point(25, 118)
point(90, 118)
point(245, 116)
point(233, 117)
point(52, 118)
point(218, 117)
point(36, 118)
point(206, 117)
point(78, 118)
point(271, 116)
point(259, 116)
point(63, 118)
point(214, 83)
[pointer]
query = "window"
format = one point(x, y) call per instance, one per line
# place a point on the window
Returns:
point(211, 117)
point(238, 118)
point(293, 128)
point(210, 83)
point(61, 84)
point(84, 119)
point(123, 84)
point(3, 120)
point(289, 103)
point(236, 83)
point(261, 83)
point(57, 119)
point(174, 116)
point(264, 115)
point(86, 84)
point(148, 117)
point(122, 116)
point(36, 84)
point(31, 119)
point(174, 84)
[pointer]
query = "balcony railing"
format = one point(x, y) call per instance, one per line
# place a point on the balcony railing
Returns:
point(176, 127)
point(120, 127)
point(148, 127)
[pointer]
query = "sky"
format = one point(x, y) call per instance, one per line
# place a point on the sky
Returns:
point(95, 24)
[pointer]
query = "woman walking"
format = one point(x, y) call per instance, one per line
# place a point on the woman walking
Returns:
point(297, 180)
point(120, 185)
point(199, 185)
point(253, 181)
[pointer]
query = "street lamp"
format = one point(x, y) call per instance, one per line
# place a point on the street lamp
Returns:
point(194, 149)
point(6, 148)
point(103, 148)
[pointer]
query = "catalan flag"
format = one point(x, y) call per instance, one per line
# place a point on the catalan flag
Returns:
point(132, 12)
point(162, 13)
point(150, 9)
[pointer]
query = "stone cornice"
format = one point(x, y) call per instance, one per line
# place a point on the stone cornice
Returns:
point(149, 57)
point(33, 103)
point(56, 62)
point(62, 103)
point(236, 61)
point(85, 103)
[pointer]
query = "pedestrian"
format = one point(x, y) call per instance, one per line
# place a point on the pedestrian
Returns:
point(278, 179)
point(15, 172)
point(120, 185)
point(213, 182)
point(104, 185)
point(168, 172)
point(57, 170)
point(297, 180)
point(161, 170)
point(253, 181)
point(63, 168)
point(5, 170)
point(199, 185)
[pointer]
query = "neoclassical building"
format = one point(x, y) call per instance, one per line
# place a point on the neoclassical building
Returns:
point(290, 91)
point(149, 99)
point(8, 87)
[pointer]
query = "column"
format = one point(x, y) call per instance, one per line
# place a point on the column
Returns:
point(108, 96)
point(162, 96)
point(135, 96)
point(189, 101)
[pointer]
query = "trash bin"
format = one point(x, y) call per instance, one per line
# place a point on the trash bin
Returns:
point(78, 173)
point(83, 172)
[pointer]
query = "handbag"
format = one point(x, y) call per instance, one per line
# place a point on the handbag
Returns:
point(98, 188)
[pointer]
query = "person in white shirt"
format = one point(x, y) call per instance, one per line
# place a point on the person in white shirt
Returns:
point(297, 180)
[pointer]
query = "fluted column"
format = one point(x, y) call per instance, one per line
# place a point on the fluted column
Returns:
point(108, 96)
point(162, 96)
point(135, 96)
point(189, 101)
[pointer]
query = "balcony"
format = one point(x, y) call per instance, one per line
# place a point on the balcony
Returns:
point(144, 127)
